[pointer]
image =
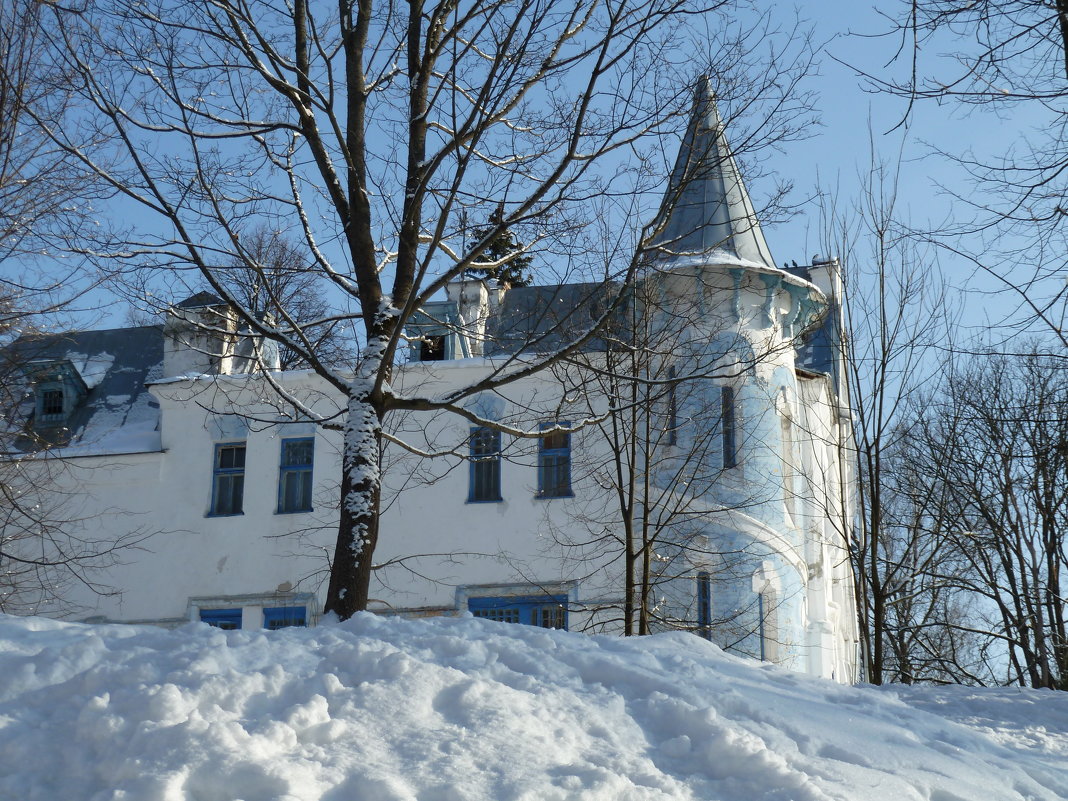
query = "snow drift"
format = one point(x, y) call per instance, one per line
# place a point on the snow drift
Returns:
point(383, 709)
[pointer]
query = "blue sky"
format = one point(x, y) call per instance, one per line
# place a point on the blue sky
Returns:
point(849, 109)
point(838, 148)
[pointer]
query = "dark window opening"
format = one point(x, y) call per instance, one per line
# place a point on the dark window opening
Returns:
point(672, 409)
point(727, 422)
point(704, 605)
point(52, 403)
point(432, 348)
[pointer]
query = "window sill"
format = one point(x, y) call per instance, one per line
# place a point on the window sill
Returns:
point(233, 514)
point(293, 511)
point(484, 500)
point(541, 497)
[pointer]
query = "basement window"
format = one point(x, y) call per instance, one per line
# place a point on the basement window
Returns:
point(283, 617)
point(226, 619)
point(544, 611)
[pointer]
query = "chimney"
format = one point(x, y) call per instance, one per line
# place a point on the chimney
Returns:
point(472, 300)
point(199, 337)
point(253, 352)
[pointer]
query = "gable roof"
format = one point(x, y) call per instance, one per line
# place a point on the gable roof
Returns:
point(200, 300)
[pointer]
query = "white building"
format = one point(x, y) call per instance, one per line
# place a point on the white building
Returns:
point(722, 370)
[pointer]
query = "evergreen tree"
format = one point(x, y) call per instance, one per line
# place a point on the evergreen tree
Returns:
point(516, 271)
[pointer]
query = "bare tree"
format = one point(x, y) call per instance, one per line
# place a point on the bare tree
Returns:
point(45, 191)
point(277, 280)
point(46, 194)
point(46, 546)
point(371, 130)
point(1010, 59)
point(897, 313)
point(992, 444)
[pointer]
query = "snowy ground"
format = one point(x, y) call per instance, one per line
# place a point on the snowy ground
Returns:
point(467, 710)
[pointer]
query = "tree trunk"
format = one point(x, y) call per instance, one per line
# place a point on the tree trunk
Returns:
point(357, 536)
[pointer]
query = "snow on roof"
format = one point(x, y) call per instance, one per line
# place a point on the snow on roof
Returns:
point(91, 367)
point(118, 415)
point(386, 709)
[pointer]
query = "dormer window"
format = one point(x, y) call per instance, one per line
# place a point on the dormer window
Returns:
point(51, 404)
point(58, 388)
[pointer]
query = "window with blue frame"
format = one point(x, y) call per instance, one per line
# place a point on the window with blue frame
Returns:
point(58, 387)
point(546, 611)
point(554, 462)
point(228, 479)
point(704, 605)
point(485, 446)
point(728, 425)
point(282, 617)
point(227, 619)
point(295, 475)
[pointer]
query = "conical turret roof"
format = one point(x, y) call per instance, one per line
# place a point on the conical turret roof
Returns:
point(707, 208)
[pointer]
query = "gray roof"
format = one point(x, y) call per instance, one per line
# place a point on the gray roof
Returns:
point(542, 319)
point(200, 300)
point(818, 349)
point(116, 414)
point(708, 209)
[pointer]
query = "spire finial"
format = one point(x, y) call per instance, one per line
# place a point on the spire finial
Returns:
point(705, 112)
